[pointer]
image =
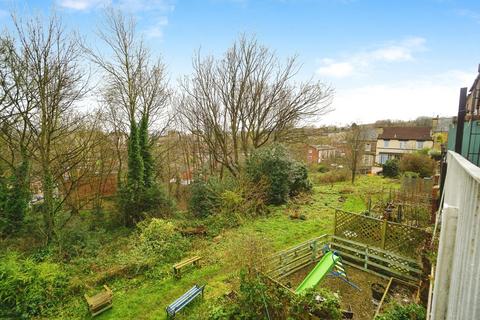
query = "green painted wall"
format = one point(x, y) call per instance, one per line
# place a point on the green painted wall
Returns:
point(473, 139)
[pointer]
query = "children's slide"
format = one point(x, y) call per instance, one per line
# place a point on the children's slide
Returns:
point(322, 268)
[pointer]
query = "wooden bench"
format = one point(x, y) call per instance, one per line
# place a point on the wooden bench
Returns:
point(184, 263)
point(100, 302)
point(184, 300)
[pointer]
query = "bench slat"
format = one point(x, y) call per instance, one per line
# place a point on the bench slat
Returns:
point(184, 263)
point(184, 300)
point(184, 296)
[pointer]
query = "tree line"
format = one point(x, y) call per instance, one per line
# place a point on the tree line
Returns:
point(52, 136)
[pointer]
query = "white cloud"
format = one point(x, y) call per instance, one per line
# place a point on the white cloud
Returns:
point(335, 69)
point(82, 5)
point(136, 6)
point(426, 96)
point(156, 31)
point(475, 16)
point(131, 6)
point(359, 61)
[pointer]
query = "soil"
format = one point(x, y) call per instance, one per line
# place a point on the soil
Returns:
point(360, 302)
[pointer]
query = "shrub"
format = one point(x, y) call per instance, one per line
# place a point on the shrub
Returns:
point(419, 163)
point(158, 239)
point(283, 175)
point(328, 308)
point(322, 168)
point(203, 199)
point(258, 297)
point(391, 168)
point(333, 176)
point(28, 288)
point(409, 174)
point(299, 179)
point(138, 204)
point(404, 312)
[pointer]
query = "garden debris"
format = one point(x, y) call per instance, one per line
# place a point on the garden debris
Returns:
point(191, 231)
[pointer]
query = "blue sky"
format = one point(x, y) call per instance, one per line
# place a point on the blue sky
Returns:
point(386, 59)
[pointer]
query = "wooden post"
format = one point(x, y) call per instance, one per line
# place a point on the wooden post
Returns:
point(383, 298)
point(366, 257)
point(335, 224)
point(384, 233)
point(314, 250)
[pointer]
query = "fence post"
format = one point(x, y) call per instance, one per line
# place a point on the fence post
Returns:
point(384, 233)
point(366, 257)
point(314, 250)
point(335, 223)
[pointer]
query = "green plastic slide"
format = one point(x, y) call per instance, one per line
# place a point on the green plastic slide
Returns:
point(322, 268)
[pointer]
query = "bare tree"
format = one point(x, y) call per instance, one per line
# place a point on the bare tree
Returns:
point(134, 85)
point(354, 148)
point(246, 99)
point(135, 90)
point(48, 82)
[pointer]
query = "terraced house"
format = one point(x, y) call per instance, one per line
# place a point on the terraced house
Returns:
point(393, 142)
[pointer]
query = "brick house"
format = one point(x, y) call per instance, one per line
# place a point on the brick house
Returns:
point(320, 153)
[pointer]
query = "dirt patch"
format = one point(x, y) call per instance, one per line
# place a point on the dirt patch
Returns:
point(360, 302)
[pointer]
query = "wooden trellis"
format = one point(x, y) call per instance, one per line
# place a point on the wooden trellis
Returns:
point(381, 262)
point(397, 238)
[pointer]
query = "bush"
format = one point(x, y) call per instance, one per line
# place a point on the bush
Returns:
point(299, 179)
point(409, 174)
point(159, 240)
point(404, 312)
point(419, 163)
point(283, 175)
point(391, 168)
point(333, 176)
point(28, 288)
point(328, 308)
point(258, 297)
point(137, 205)
point(203, 199)
point(322, 168)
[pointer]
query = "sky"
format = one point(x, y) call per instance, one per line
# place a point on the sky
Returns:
point(395, 59)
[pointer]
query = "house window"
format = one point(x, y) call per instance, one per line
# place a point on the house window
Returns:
point(403, 144)
point(383, 158)
point(419, 144)
point(385, 143)
point(368, 147)
point(366, 160)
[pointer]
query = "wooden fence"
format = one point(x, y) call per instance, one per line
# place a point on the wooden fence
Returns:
point(289, 261)
point(386, 235)
point(370, 259)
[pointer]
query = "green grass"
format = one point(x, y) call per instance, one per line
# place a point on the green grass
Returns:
point(146, 298)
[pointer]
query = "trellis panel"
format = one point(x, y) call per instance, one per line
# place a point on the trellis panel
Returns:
point(394, 237)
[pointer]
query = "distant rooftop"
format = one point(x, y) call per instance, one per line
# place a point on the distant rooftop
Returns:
point(405, 133)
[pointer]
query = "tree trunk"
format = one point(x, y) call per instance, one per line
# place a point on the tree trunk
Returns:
point(48, 201)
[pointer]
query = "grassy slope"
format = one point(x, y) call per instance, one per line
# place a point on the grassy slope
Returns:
point(142, 298)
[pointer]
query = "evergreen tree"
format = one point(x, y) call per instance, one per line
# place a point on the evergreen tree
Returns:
point(17, 202)
point(14, 197)
point(135, 162)
point(146, 153)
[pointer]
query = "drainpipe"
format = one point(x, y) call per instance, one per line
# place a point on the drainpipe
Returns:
point(461, 120)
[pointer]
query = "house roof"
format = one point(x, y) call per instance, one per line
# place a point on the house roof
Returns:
point(406, 133)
